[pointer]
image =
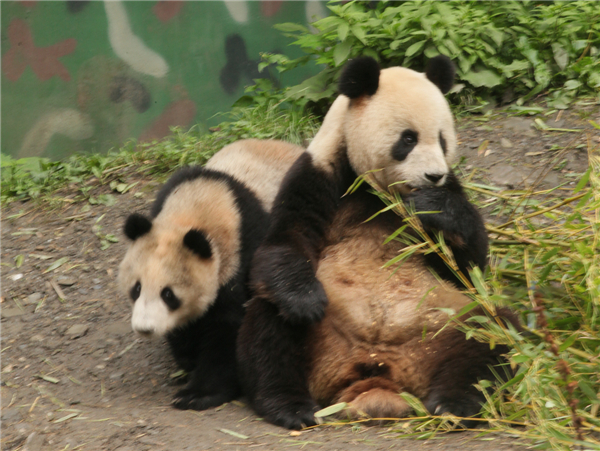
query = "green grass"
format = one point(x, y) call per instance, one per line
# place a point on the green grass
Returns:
point(40, 179)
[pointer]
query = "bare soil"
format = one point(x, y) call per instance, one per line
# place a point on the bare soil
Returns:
point(74, 375)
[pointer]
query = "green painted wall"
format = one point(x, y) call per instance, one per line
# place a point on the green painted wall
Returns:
point(67, 86)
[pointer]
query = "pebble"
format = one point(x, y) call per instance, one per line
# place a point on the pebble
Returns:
point(34, 442)
point(33, 298)
point(117, 375)
point(10, 414)
point(506, 175)
point(50, 416)
point(12, 312)
point(76, 331)
point(66, 281)
point(96, 280)
point(518, 124)
point(120, 328)
point(15, 277)
point(505, 143)
point(97, 287)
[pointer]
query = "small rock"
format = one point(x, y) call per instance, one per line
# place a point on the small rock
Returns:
point(76, 331)
point(15, 277)
point(37, 337)
point(117, 375)
point(10, 414)
point(34, 442)
point(33, 298)
point(50, 416)
point(66, 281)
point(505, 143)
point(506, 175)
point(12, 312)
point(121, 328)
point(518, 124)
point(97, 287)
point(96, 280)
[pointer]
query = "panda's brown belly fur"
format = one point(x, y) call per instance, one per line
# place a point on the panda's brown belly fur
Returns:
point(379, 322)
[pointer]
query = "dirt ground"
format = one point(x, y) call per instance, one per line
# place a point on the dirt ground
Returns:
point(74, 375)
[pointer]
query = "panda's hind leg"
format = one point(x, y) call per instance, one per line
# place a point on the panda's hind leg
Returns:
point(272, 366)
point(464, 363)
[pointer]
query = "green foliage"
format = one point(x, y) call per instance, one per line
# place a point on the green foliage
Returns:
point(551, 275)
point(40, 178)
point(508, 49)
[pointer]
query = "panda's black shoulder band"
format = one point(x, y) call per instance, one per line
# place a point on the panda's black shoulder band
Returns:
point(440, 71)
point(136, 225)
point(359, 77)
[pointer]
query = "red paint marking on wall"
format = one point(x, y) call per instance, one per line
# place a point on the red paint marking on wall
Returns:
point(28, 3)
point(165, 10)
point(43, 60)
point(269, 8)
point(180, 113)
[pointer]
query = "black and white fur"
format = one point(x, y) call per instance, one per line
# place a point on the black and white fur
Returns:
point(296, 349)
point(187, 266)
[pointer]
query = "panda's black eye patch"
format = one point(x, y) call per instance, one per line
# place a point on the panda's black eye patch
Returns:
point(407, 142)
point(169, 298)
point(135, 291)
point(443, 143)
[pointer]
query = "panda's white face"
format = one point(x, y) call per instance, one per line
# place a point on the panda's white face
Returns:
point(168, 284)
point(405, 128)
point(175, 265)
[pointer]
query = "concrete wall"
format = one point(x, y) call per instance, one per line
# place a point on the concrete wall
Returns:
point(87, 75)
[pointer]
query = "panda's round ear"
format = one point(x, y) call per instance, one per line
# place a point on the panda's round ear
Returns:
point(359, 77)
point(440, 71)
point(136, 226)
point(196, 241)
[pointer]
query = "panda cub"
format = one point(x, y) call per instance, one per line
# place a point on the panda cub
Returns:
point(328, 323)
point(187, 266)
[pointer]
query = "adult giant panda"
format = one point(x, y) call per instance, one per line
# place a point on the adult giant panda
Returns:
point(327, 323)
point(187, 266)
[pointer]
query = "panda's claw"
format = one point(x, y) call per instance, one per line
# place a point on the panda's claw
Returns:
point(295, 419)
point(187, 400)
point(467, 405)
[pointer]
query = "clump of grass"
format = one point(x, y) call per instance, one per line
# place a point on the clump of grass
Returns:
point(39, 178)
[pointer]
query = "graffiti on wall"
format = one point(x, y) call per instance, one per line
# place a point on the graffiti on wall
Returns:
point(86, 76)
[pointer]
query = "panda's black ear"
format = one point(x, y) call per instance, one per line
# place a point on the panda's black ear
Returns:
point(440, 71)
point(136, 226)
point(359, 77)
point(196, 241)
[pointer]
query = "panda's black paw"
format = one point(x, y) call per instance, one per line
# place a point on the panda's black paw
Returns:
point(294, 416)
point(465, 405)
point(287, 279)
point(187, 399)
point(302, 303)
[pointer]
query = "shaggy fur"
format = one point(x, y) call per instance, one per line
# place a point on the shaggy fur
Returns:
point(328, 323)
point(187, 268)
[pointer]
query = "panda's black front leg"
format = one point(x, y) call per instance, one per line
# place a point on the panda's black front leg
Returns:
point(284, 266)
point(209, 357)
point(459, 221)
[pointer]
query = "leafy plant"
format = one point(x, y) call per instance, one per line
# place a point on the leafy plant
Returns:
point(40, 178)
point(505, 50)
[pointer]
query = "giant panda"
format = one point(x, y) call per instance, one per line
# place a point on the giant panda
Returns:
point(187, 266)
point(327, 323)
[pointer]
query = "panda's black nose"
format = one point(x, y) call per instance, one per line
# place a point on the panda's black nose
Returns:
point(434, 178)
